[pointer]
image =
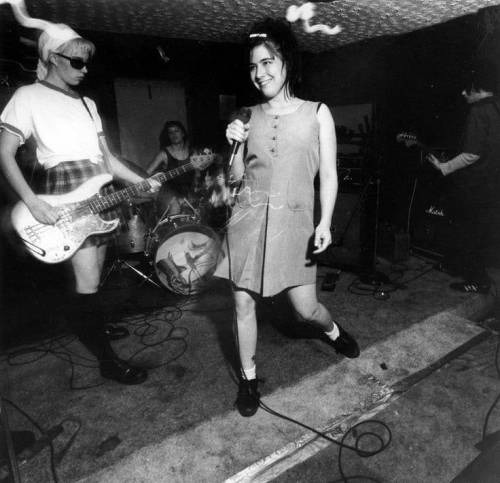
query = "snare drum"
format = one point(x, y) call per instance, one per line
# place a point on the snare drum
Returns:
point(184, 253)
point(137, 219)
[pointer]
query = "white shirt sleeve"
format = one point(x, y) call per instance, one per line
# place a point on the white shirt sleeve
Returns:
point(458, 162)
point(16, 116)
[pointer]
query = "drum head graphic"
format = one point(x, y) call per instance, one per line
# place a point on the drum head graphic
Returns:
point(186, 259)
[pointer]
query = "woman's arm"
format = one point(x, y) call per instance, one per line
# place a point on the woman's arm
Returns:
point(161, 157)
point(327, 176)
point(463, 160)
point(118, 169)
point(41, 210)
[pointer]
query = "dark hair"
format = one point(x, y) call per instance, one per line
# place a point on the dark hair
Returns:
point(277, 36)
point(164, 138)
point(483, 76)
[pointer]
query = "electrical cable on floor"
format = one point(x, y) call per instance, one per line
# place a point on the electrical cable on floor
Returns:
point(145, 327)
point(497, 399)
point(383, 442)
point(48, 439)
point(341, 444)
point(381, 291)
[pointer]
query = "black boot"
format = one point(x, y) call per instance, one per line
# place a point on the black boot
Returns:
point(344, 344)
point(87, 324)
point(247, 401)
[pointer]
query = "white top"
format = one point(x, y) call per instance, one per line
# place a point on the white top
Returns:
point(59, 122)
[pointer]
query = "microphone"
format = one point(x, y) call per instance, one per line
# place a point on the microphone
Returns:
point(243, 115)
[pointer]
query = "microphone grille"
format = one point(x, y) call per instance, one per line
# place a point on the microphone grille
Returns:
point(244, 114)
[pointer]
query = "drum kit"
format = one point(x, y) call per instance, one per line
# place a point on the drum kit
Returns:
point(181, 252)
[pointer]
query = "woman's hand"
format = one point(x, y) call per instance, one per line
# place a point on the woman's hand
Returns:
point(43, 212)
point(434, 161)
point(237, 131)
point(322, 237)
point(154, 185)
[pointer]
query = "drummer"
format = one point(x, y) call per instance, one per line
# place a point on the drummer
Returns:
point(175, 151)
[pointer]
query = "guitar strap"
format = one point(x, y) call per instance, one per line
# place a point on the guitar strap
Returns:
point(106, 162)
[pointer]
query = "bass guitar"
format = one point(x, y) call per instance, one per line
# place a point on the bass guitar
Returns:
point(80, 213)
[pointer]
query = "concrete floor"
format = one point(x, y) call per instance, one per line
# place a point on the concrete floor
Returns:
point(181, 425)
point(436, 425)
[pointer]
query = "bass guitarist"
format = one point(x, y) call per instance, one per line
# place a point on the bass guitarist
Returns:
point(72, 149)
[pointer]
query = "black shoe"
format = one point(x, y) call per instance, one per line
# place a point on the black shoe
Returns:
point(115, 332)
point(470, 287)
point(247, 401)
point(344, 344)
point(122, 372)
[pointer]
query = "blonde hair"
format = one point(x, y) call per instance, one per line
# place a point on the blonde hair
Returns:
point(77, 46)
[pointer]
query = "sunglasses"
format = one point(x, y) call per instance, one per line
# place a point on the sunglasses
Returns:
point(76, 62)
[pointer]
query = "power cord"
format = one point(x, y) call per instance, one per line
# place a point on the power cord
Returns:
point(382, 291)
point(497, 399)
point(382, 441)
point(146, 327)
point(46, 439)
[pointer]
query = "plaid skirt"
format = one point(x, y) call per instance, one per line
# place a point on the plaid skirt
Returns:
point(68, 176)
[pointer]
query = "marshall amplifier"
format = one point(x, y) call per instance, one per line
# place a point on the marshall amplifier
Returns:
point(431, 227)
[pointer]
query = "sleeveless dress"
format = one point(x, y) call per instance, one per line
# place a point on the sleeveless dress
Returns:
point(270, 234)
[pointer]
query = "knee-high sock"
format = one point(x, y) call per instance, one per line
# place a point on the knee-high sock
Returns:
point(86, 320)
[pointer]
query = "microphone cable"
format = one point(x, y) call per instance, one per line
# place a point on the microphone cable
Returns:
point(383, 438)
point(383, 442)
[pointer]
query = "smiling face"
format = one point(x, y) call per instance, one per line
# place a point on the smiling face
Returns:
point(267, 71)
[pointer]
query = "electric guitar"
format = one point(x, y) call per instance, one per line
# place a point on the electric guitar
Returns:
point(411, 140)
point(80, 213)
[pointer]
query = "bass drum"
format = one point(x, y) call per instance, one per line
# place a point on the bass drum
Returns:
point(185, 254)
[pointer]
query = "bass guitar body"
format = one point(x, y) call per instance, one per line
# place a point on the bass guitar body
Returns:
point(80, 213)
point(57, 243)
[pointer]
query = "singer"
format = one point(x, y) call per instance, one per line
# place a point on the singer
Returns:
point(271, 238)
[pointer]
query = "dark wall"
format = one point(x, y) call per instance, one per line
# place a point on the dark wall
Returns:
point(206, 70)
point(414, 82)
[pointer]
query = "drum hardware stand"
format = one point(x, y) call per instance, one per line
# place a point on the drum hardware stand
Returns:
point(160, 219)
point(11, 453)
point(120, 263)
point(195, 212)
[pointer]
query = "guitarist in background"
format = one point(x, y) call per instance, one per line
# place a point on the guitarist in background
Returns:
point(71, 148)
point(476, 181)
